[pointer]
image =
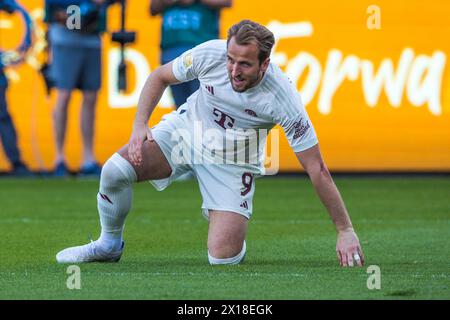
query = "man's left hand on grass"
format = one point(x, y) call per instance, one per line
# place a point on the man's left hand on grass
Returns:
point(348, 249)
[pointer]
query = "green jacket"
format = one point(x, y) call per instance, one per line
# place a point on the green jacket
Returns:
point(189, 25)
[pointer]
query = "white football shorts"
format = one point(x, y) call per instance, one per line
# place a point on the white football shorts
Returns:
point(225, 187)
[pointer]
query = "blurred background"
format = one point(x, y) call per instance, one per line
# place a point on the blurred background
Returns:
point(374, 79)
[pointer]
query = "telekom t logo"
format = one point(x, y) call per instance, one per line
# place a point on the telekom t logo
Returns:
point(223, 120)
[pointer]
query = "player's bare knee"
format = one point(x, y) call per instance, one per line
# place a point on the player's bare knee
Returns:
point(227, 254)
point(222, 250)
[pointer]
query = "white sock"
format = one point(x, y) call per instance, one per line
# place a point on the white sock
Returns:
point(233, 260)
point(114, 200)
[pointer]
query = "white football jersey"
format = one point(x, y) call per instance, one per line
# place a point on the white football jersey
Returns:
point(274, 100)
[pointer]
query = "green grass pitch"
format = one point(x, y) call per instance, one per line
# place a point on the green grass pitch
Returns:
point(403, 224)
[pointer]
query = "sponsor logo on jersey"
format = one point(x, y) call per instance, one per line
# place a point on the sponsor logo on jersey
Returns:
point(210, 89)
point(301, 128)
point(250, 112)
point(223, 119)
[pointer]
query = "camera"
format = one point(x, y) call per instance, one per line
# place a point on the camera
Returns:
point(123, 37)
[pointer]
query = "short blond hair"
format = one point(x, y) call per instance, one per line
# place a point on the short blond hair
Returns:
point(247, 31)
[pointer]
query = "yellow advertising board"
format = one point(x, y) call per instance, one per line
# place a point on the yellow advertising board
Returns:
point(374, 78)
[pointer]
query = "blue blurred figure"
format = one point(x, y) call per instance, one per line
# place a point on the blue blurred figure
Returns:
point(8, 134)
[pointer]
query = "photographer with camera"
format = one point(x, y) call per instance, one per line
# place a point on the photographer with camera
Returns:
point(7, 131)
point(76, 64)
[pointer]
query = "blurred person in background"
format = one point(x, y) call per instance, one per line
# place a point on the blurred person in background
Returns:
point(7, 131)
point(76, 64)
point(185, 24)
